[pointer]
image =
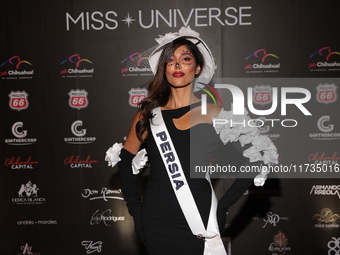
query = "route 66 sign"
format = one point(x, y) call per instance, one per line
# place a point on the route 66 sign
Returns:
point(18, 100)
point(137, 95)
point(78, 98)
point(326, 93)
point(262, 94)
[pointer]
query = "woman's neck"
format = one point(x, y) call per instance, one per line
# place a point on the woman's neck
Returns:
point(181, 97)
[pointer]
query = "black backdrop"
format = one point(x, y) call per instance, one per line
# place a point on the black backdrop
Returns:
point(70, 80)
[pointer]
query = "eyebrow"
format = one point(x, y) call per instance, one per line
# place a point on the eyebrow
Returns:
point(186, 53)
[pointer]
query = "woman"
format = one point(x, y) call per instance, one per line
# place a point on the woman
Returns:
point(178, 213)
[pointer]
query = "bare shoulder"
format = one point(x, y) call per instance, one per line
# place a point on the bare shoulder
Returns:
point(137, 117)
point(213, 110)
point(132, 143)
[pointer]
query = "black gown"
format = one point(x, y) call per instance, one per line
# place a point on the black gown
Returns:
point(164, 226)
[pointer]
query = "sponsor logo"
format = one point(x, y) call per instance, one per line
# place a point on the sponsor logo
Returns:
point(198, 17)
point(105, 217)
point(137, 95)
point(262, 94)
point(79, 133)
point(16, 69)
point(279, 244)
point(262, 62)
point(77, 162)
point(78, 98)
point(324, 59)
point(265, 129)
point(325, 126)
point(104, 193)
point(323, 158)
point(77, 69)
point(20, 134)
point(36, 222)
point(263, 192)
point(334, 246)
point(18, 100)
point(91, 246)
point(326, 219)
point(28, 195)
point(326, 93)
point(325, 190)
point(18, 163)
point(27, 250)
point(136, 65)
point(271, 219)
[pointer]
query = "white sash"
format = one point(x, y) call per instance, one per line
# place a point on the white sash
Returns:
point(213, 242)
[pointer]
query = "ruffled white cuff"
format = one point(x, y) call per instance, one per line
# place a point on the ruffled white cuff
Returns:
point(260, 179)
point(112, 154)
point(232, 128)
point(138, 162)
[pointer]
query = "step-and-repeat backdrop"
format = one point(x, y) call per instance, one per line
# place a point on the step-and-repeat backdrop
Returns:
point(72, 74)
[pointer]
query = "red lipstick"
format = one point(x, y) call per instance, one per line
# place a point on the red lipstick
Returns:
point(178, 74)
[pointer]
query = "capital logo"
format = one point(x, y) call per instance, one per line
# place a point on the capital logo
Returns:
point(326, 216)
point(324, 159)
point(76, 128)
point(334, 246)
point(326, 93)
point(137, 95)
point(77, 162)
point(91, 246)
point(78, 99)
point(18, 100)
point(18, 163)
point(279, 244)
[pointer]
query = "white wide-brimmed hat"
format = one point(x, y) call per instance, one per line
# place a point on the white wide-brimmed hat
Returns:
point(186, 32)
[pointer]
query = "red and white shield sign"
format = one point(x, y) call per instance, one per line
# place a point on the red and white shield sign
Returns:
point(137, 95)
point(262, 94)
point(18, 100)
point(78, 98)
point(326, 93)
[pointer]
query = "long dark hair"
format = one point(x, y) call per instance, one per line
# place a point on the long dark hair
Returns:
point(159, 88)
